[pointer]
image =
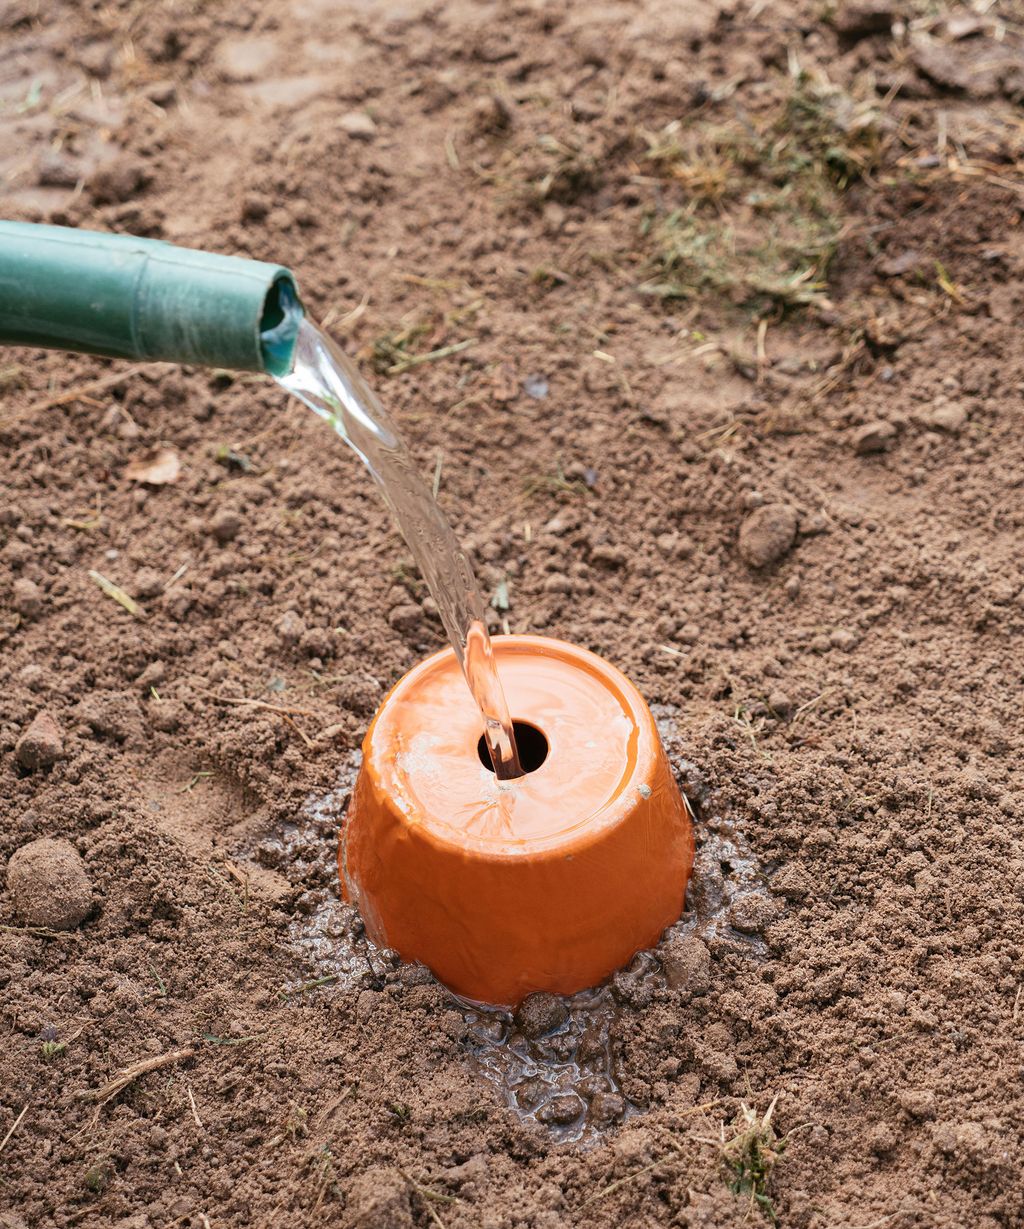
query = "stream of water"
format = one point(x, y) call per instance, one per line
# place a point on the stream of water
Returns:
point(324, 378)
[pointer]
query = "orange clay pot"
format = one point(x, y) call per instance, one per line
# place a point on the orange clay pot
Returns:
point(550, 882)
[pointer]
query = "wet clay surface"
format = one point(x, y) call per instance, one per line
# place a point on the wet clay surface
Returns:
point(786, 504)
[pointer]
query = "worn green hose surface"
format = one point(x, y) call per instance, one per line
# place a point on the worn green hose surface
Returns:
point(126, 297)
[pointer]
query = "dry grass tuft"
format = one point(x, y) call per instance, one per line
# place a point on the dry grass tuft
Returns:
point(756, 199)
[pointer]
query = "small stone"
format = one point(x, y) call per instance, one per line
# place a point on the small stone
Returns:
point(950, 418)
point(49, 884)
point(901, 264)
point(226, 525)
point(882, 1140)
point(358, 125)
point(491, 114)
point(255, 207)
point(557, 582)
point(689, 633)
point(163, 93)
point(41, 745)
point(873, 437)
point(687, 964)
point(539, 1014)
point(780, 703)
point(27, 598)
point(767, 534)
point(405, 617)
point(96, 58)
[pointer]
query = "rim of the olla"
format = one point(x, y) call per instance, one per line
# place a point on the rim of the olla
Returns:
point(421, 752)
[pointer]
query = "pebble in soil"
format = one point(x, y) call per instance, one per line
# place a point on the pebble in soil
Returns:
point(553, 1061)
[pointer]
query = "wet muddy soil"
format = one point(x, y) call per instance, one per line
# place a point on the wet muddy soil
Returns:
point(704, 319)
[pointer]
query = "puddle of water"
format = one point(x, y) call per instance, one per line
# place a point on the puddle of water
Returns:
point(565, 1081)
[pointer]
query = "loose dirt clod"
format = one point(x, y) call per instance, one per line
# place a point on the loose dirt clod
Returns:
point(687, 964)
point(27, 598)
point(873, 437)
point(226, 525)
point(41, 745)
point(49, 884)
point(539, 1014)
point(767, 534)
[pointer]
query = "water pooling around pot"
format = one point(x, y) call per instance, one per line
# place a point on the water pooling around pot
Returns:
point(567, 1079)
point(329, 384)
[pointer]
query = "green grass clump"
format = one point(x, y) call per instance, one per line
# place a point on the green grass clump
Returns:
point(750, 1149)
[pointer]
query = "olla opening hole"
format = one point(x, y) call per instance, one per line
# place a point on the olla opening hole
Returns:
point(532, 745)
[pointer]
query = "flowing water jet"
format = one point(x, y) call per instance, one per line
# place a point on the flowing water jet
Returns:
point(324, 378)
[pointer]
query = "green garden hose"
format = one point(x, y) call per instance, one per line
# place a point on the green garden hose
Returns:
point(124, 297)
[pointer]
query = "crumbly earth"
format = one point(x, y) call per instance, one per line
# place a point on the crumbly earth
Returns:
point(711, 257)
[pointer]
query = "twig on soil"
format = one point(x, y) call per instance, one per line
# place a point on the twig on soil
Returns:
point(1016, 1001)
point(414, 360)
point(132, 1073)
point(14, 1126)
point(279, 709)
point(118, 594)
point(82, 390)
point(298, 729)
point(427, 1195)
point(329, 980)
point(192, 1102)
point(806, 708)
point(40, 932)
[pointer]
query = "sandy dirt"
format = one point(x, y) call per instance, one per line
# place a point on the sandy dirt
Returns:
point(741, 412)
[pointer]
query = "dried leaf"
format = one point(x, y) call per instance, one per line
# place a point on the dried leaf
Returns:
point(155, 468)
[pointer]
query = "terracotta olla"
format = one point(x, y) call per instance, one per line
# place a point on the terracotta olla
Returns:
point(550, 882)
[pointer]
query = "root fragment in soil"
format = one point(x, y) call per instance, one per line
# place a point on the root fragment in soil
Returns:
point(120, 1082)
point(13, 1127)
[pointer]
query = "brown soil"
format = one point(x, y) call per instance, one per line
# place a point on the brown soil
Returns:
point(843, 699)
